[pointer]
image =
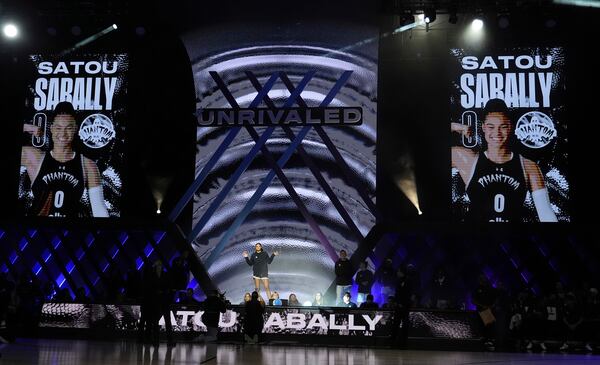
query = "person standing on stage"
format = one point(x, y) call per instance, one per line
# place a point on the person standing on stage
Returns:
point(364, 279)
point(259, 260)
point(343, 277)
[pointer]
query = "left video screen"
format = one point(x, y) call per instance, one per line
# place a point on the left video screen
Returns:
point(73, 140)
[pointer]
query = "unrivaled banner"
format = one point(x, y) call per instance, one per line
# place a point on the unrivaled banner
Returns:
point(73, 136)
point(509, 126)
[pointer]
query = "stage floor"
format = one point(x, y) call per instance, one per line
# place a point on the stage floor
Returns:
point(68, 352)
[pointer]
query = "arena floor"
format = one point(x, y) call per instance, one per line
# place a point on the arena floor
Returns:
point(67, 352)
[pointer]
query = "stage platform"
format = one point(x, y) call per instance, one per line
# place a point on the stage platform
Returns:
point(72, 352)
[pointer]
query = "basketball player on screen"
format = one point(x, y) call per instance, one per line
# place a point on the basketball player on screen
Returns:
point(60, 176)
point(259, 260)
point(497, 179)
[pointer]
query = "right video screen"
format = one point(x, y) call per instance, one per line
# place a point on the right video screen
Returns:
point(509, 136)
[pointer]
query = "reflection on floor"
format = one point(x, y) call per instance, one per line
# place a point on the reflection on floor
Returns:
point(67, 352)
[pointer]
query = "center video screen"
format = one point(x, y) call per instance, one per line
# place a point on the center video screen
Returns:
point(296, 96)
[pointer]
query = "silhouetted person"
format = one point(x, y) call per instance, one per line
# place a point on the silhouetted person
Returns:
point(441, 291)
point(114, 284)
point(386, 276)
point(364, 279)
point(63, 296)
point(213, 306)
point(146, 305)
point(179, 273)
point(188, 298)
point(343, 276)
point(484, 298)
point(133, 286)
point(369, 303)
point(403, 303)
point(160, 288)
point(253, 319)
point(81, 297)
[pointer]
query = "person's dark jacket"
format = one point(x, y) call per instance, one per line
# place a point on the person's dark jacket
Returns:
point(253, 318)
point(259, 262)
point(484, 297)
point(213, 306)
point(403, 293)
point(387, 276)
point(364, 279)
point(343, 272)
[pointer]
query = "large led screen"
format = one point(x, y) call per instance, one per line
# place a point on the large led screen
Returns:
point(509, 129)
point(286, 144)
point(73, 136)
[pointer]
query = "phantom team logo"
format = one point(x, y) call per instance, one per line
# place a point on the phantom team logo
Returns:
point(97, 131)
point(535, 129)
point(286, 115)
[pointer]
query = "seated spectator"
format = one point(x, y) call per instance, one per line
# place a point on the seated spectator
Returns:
point(369, 303)
point(293, 300)
point(261, 300)
point(390, 305)
point(346, 301)
point(275, 299)
point(318, 301)
point(247, 298)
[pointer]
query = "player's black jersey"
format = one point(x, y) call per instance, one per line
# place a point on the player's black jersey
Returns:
point(497, 191)
point(58, 188)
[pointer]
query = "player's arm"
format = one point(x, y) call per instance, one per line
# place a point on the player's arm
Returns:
point(539, 193)
point(31, 157)
point(462, 158)
point(94, 185)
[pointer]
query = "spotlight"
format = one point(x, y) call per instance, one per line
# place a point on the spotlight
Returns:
point(10, 30)
point(477, 24)
point(114, 26)
point(430, 15)
point(158, 211)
